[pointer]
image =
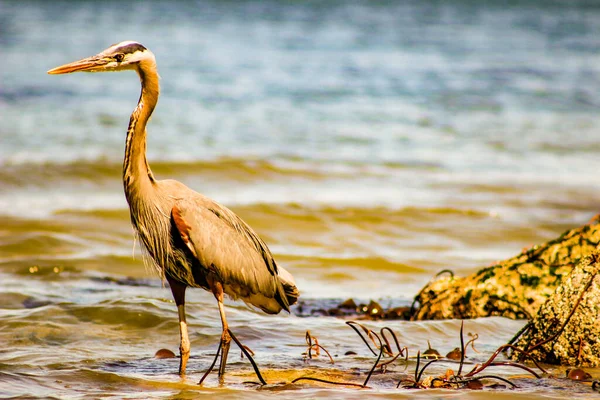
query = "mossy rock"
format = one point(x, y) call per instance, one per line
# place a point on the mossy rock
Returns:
point(565, 330)
point(515, 288)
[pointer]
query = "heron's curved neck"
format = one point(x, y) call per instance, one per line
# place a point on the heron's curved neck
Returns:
point(136, 171)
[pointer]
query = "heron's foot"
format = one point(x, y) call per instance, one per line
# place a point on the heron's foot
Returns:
point(225, 344)
point(184, 343)
point(184, 352)
point(184, 356)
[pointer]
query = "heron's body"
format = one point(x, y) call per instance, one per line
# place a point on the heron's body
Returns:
point(216, 237)
point(191, 240)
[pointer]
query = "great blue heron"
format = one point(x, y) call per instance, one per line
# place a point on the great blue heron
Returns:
point(190, 239)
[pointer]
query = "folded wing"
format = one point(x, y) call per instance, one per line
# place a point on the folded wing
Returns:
point(226, 247)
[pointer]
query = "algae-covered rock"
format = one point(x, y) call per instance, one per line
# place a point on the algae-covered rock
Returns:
point(515, 288)
point(566, 329)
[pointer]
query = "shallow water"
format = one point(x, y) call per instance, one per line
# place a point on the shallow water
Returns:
point(370, 144)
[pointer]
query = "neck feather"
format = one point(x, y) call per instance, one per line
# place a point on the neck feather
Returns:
point(136, 171)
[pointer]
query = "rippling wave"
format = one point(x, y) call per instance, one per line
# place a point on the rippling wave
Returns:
point(49, 174)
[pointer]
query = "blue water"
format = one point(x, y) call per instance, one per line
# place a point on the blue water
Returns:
point(465, 86)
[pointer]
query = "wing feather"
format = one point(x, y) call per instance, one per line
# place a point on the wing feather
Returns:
point(227, 247)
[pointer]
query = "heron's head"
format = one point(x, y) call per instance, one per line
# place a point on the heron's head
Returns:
point(118, 57)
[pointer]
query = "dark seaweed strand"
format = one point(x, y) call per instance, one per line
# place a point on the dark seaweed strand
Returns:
point(445, 271)
point(249, 351)
point(477, 369)
point(211, 365)
point(462, 349)
point(416, 370)
point(382, 332)
point(412, 307)
point(308, 378)
point(562, 328)
point(526, 354)
point(425, 367)
point(417, 367)
point(387, 347)
point(370, 334)
point(376, 362)
point(309, 343)
point(383, 364)
point(241, 346)
point(326, 352)
point(494, 377)
point(317, 346)
point(351, 325)
point(514, 364)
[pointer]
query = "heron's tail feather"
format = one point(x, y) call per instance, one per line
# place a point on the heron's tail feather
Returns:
point(289, 286)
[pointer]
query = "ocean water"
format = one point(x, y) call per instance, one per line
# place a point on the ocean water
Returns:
point(371, 144)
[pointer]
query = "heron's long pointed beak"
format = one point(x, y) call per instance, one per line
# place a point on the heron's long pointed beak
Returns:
point(87, 64)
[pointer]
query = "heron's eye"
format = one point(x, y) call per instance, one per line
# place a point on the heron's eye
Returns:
point(119, 57)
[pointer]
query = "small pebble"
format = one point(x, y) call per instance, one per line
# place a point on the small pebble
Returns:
point(497, 386)
point(398, 313)
point(577, 374)
point(335, 312)
point(475, 384)
point(348, 304)
point(374, 310)
point(164, 353)
point(430, 352)
point(454, 355)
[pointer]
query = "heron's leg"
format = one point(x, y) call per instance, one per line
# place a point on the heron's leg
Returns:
point(178, 290)
point(225, 339)
point(217, 290)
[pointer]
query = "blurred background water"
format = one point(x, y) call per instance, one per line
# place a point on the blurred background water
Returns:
point(371, 144)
